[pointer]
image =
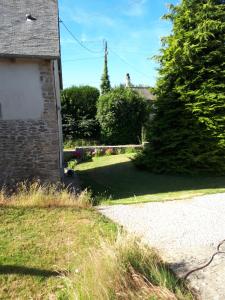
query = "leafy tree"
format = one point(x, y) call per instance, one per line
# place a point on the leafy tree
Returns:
point(187, 133)
point(79, 112)
point(121, 114)
point(105, 82)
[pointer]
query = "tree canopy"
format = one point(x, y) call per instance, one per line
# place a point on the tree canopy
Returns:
point(79, 112)
point(187, 133)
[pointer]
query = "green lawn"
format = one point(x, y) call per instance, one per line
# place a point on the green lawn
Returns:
point(116, 179)
point(51, 249)
point(39, 244)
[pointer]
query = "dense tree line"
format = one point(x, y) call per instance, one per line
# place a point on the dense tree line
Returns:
point(116, 117)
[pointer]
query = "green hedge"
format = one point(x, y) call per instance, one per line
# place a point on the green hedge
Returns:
point(121, 113)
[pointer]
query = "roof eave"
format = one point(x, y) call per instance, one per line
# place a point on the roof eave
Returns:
point(50, 57)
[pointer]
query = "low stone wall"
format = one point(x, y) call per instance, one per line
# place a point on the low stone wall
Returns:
point(69, 154)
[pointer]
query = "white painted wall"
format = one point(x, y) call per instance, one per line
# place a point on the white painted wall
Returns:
point(20, 91)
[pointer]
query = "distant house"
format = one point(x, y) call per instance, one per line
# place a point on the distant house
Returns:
point(143, 91)
point(30, 81)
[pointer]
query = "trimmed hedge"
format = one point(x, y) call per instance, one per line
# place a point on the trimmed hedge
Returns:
point(121, 113)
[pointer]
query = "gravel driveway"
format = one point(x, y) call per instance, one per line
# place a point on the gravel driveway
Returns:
point(186, 234)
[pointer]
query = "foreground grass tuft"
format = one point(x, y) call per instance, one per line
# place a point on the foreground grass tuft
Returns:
point(123, 269)
point(39, 195)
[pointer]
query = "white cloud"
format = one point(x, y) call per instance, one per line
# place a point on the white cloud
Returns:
point(136, 8)
point(89, 19)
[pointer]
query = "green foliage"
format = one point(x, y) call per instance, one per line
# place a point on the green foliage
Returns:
point(187, 133)
point(72, 164)
point(121, 114)
point(79, 112)
point(105, 82)
point(70, 144)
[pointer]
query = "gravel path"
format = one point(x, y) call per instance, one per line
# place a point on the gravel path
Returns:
point(186, 234)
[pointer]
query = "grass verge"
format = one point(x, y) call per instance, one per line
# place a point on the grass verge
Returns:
point(116, 179)
point(53, 245)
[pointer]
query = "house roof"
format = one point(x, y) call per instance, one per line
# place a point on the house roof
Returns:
point(145, 93)
point(20, 37)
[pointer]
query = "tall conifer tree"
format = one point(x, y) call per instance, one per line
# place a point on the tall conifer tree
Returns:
point(188, 131)
point(105, 82)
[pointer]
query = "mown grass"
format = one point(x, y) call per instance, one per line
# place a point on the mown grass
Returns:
point(56, 249)
point(116, 179)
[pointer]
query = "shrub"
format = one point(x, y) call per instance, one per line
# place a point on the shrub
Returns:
point(79, 112)
point(121, 114)
point(72, 164)
point(109, 151)
point(98, 152)
point(130, 150)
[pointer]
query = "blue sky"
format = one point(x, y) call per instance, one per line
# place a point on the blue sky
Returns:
point(132, 28)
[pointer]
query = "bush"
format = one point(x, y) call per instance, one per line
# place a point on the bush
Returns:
point(79, 112)
point(121, 114)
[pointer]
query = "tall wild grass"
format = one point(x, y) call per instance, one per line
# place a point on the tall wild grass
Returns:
point(37, 195)
point(123, 269)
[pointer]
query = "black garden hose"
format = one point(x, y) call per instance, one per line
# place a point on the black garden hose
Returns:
point(209, 262)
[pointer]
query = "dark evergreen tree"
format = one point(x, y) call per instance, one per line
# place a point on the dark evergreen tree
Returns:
point(105, 82)
point(79, 112)
point(187, 133)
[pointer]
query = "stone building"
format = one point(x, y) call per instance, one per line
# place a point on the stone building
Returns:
point(30, 81)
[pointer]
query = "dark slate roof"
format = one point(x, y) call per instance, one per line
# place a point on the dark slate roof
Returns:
point(145, 93)
point(22, 38)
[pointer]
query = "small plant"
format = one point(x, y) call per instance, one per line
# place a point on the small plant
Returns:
point(98, 152)
point(130, 150)
point(87, 156)
point(121, 151)
point(78, 154)
point(109, 151)
point(72, 164)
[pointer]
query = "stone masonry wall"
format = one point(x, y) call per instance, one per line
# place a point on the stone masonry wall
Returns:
point(29, 149)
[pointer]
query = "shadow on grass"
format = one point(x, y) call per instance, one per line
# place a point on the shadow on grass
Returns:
point(123, 180)
point(21, 270)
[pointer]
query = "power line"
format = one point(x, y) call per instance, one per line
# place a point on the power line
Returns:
point(83, 58)
point(76, 39)
point(92, 51)
point(127, 63)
